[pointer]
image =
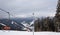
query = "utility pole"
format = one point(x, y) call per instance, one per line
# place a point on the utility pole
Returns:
point(33, 24)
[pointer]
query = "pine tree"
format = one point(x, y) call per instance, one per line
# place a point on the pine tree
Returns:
point(57, 18)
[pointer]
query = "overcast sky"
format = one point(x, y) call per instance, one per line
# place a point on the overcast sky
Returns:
point(25, 8)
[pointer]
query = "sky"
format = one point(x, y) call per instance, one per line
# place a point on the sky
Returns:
point(25, 8)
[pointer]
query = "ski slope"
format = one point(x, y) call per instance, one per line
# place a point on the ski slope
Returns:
point(46, 33)
point(27, 33)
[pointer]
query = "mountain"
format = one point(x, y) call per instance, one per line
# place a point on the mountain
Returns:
point(16, 22)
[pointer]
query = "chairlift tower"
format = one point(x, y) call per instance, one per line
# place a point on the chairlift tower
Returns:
point(6, 12)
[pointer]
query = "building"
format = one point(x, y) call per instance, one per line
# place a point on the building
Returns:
point(6, 28)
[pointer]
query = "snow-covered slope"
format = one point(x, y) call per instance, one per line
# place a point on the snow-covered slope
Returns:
point(46, 33)
point(27, 33)
point(28, 27)
point(15, 33)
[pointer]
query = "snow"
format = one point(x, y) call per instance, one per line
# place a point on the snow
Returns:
point(27, 33)
point(15, 33)
point(46, 33)
point(2, 24)
point(28, 26)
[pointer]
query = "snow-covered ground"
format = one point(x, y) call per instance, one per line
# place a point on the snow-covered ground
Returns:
point(27, 33)
point(46, 33)
point(15, 33)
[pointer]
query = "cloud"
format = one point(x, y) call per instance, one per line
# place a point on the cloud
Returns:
point(27, 7)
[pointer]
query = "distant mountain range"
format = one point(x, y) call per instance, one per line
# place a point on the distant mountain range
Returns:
point(17, 21)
